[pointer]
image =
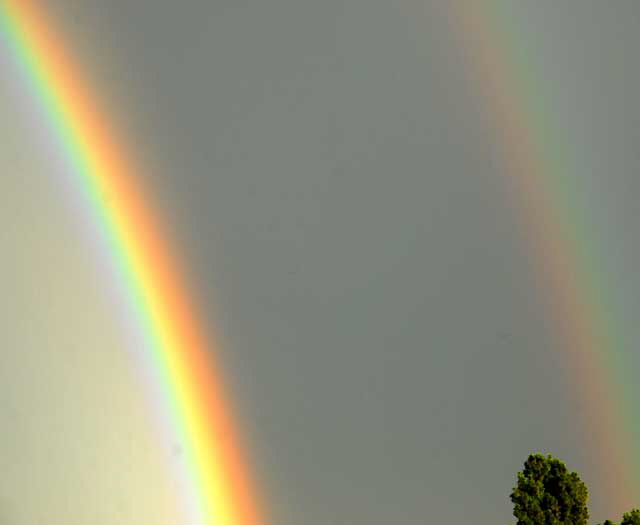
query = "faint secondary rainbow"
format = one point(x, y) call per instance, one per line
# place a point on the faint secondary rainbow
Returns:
point(178, 349)
point(568, 261)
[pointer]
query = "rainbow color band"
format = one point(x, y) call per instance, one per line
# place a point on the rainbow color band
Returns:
point(566, 257)
point(177, 349)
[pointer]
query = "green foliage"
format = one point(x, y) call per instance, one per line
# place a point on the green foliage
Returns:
point(631, 518)
point(548, 494)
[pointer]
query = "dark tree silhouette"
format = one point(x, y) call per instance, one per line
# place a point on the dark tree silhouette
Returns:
point(548, 494)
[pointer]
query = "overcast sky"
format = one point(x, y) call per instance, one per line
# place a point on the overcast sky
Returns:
point(328, 172)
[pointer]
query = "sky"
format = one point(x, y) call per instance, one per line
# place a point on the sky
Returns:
point(327, 171)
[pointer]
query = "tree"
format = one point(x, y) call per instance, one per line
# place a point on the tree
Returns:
point(631, 518)
point(548, 494)
point(628, 518)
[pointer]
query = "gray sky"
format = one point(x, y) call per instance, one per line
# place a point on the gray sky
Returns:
point(331, 179)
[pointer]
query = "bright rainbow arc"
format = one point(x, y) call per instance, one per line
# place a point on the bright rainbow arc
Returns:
point(177, 346)
point(566, 257)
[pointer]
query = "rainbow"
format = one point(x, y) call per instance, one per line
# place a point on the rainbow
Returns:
point(177, 349)
point(565, 254)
